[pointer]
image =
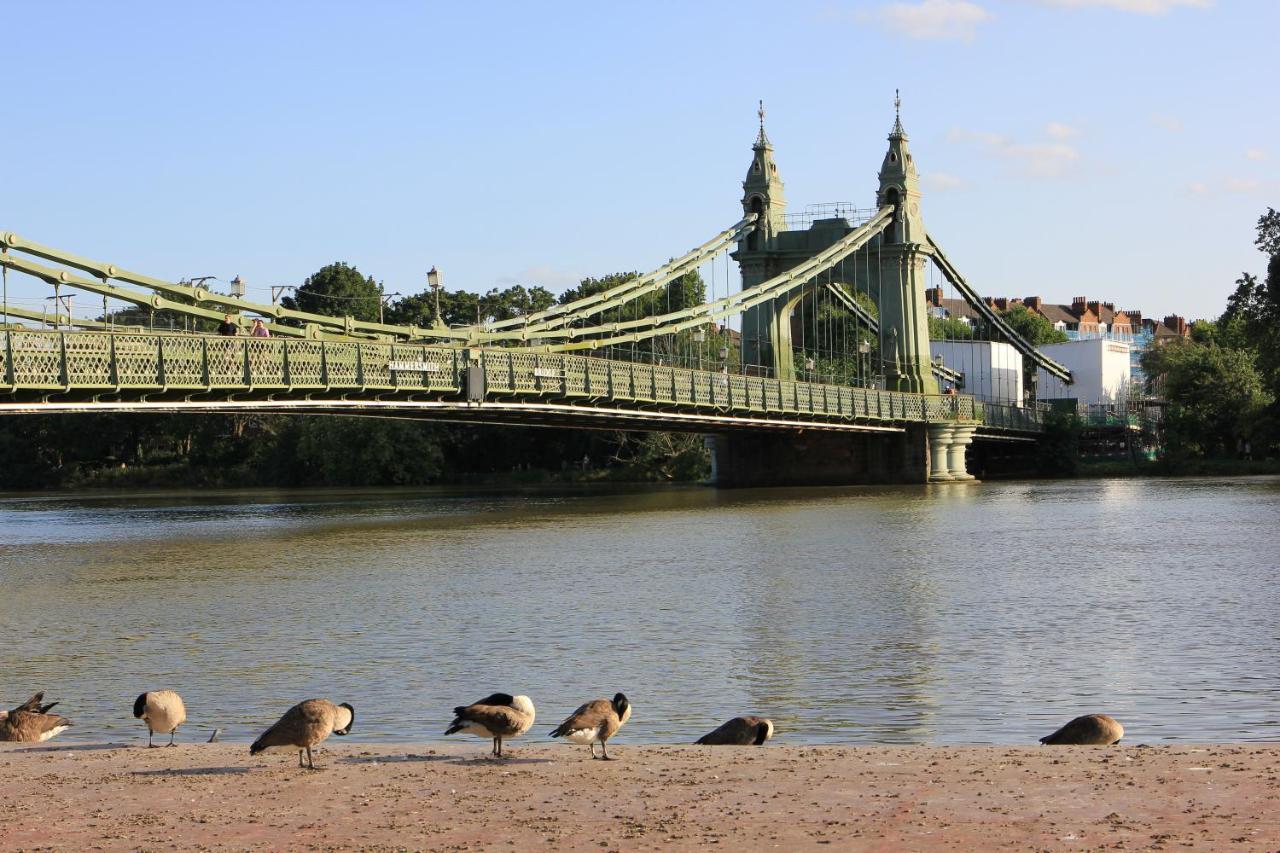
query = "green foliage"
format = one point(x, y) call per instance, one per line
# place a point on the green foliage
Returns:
point(949, 329)
point(461, 308)
point(1268, 240)
point(338, 290)
point(1215, 397)
point(1058, 452)
point(1033, 326)
point(662, 456)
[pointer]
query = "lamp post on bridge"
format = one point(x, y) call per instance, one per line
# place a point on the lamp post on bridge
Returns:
point(864, 362)
point(382, 304)
point(433, 281)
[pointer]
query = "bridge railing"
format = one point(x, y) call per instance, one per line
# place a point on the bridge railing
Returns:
point(97, 363)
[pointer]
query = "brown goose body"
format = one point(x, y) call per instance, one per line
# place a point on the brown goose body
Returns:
point(163, 711)
point(497, 716)
point(305, 725)
point(596, 722)
point(30, 726)
point(740, 731)
point(1089, 730)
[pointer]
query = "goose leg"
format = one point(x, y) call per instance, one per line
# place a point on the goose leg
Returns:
point(311, 765)
point(173, 734)
point(604, 753)
point(149, 743)
point(300, 764)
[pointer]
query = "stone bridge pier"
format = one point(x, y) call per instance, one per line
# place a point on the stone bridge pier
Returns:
point(932, 453)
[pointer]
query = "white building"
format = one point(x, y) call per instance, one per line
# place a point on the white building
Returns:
point(992, 370)
point(1100, 368)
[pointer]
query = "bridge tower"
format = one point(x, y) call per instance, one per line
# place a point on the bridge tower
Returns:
point(898, 286)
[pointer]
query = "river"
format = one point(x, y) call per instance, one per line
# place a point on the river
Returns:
point(947, 614)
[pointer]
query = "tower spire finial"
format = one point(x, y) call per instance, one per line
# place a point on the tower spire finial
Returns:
point(897, 131)
point(762, 139)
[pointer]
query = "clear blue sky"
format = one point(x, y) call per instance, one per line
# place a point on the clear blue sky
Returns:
point(1115, 149)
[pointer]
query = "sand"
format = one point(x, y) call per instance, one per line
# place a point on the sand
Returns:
point(215, 796)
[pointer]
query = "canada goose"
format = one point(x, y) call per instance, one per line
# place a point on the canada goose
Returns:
point(498, 716)
point(162, 711)
point(1091, 729)
point(596, 721)
point(740, 731)
point(29, 722)
point(33, 704)
point(305, 725)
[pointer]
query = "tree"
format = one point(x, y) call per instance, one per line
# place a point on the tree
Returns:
point(1215, 397)
point(338, 290)
point(1268, 240)
point(949, 329)
point(1033, 326)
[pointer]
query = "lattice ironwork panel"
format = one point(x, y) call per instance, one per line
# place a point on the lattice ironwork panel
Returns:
point(738, 391)
point(755, 392)
point(772, 395)
point(803, 397)
point(5, 343)
point(88, 359)
point(182, 361)
point(226, 361)
point(682, 388)
point(342, 364)
point(306, 364)
point(37, 359)
point(622, 379)
point(575, 375)
point(702, 392)
point(914, 407)
point(266, 362)
point(548, 373)
point(375, 365)
point(598, 377)
point(523, 378)
point(641, 382)
point(664, 384)
point(497, 371)
point(137, 360)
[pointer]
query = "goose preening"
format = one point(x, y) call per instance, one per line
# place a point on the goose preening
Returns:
point(162, 711)
point(1089, 730)
point(305, 725)
point(596, 722)
point(497, 716)
point(740, 731)
point(31, 722)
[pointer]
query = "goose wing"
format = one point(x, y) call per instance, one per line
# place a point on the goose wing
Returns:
point(498, 720)
point(740, 731)
point(31, 727)
point(597, 715)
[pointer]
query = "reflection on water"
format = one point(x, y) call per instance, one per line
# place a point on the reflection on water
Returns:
point(947, 614)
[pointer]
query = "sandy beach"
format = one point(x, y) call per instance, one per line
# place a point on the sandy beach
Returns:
point(214, 796)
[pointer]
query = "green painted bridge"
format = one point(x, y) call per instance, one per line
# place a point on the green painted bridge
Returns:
point(821, 369)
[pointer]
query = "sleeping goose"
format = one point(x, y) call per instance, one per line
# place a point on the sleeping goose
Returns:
point(740, 731)
point(306, 725)
point(1089, 730)
point(497, 716)
point(162, 711)
point(596, 721)
point(29, 722)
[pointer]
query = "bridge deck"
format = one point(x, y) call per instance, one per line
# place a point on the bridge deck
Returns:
point(65, 371)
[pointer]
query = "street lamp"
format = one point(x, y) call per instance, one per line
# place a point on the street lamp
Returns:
point(864, 352)
point(433, 281)
point(237, 287)
point(699, 338)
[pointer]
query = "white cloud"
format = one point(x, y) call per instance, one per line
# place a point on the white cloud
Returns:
point(1139, 7)
point(1058, 130)
point(1035, 159)
point(933, 19)
point(1173, 124)
point(1256, 154)
point(941, 182)
point(544, 275)
point(1227, 186)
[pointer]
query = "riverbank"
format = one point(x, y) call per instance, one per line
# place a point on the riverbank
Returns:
point(216, 796)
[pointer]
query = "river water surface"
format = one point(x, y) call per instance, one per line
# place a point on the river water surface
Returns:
point(948, 614)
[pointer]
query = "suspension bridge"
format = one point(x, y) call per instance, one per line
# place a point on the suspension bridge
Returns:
point(813, 366)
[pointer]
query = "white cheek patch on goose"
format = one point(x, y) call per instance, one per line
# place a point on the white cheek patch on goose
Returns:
point(56, 730)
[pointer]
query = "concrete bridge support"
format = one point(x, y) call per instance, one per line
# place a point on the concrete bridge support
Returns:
point(947, 445)
point(743, 459)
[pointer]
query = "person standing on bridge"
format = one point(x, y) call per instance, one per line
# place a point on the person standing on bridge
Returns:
point(260, 329)
point(227, 328)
